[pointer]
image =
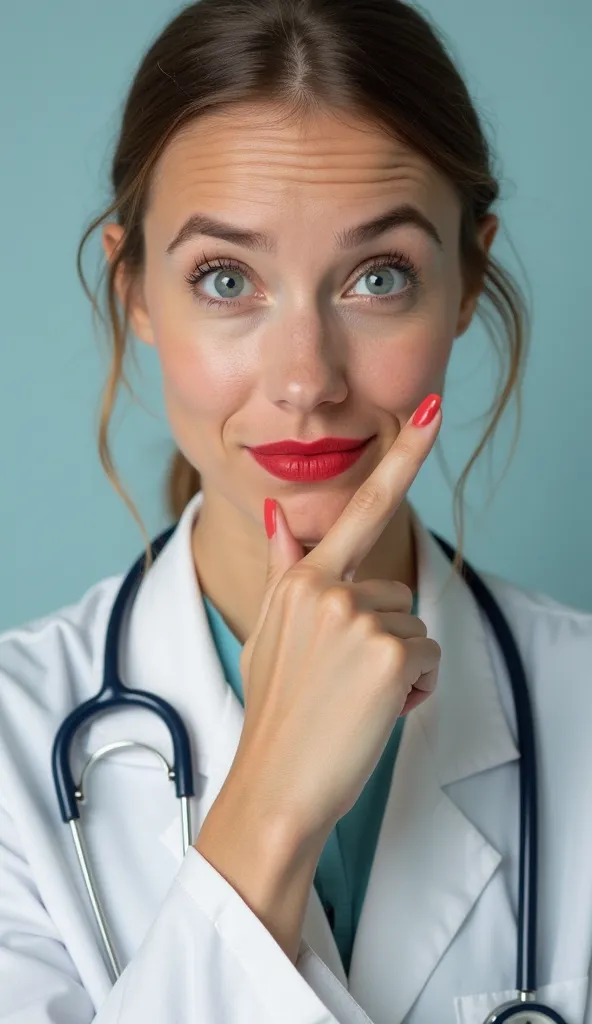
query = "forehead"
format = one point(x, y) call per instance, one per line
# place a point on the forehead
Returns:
point(260, 167)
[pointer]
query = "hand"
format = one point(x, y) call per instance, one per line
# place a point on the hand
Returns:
point(331, 664)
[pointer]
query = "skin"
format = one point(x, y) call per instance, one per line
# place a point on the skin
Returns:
point(305, 352)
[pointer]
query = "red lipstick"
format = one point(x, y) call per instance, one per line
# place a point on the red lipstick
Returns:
point(309, 463)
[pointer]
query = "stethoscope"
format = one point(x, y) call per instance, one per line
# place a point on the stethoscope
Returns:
point(524, 1009)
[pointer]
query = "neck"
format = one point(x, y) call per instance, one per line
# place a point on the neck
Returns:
point(230, 555)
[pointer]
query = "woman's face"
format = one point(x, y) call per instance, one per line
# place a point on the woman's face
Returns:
point(307, 332)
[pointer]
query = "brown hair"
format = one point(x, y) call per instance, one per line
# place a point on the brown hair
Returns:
point(378, 58)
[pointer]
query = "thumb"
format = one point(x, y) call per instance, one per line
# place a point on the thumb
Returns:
point(283, 552)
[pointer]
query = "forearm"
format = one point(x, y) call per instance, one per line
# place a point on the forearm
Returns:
point(256, 853)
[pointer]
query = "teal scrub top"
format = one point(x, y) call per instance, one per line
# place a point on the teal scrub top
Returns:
point(344, 866)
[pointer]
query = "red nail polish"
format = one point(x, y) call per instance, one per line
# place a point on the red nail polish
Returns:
point(269, 516)
point(425, 412)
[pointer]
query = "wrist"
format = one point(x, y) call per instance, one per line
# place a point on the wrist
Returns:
point(264, 859)
point(263, 825)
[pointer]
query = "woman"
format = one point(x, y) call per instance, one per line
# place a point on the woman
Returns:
point(301, 225)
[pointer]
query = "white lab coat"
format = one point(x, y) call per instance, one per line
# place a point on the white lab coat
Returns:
point(437, 936)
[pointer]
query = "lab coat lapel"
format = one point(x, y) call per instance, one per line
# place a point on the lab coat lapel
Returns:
point(431, 863)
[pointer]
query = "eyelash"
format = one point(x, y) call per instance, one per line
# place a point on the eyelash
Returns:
point(399, 260)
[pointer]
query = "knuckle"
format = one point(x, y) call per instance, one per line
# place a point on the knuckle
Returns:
point(368, 624)
point(391, 650)
point(338, 603)
point(423, 629)
point(368, 499)
point(404, 451)
point(295, 586)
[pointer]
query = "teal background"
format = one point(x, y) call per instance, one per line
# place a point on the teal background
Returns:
point(63, 75)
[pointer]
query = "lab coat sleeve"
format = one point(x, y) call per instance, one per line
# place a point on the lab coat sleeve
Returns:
point(222, 965)
point(38, 981)
point(207, 959)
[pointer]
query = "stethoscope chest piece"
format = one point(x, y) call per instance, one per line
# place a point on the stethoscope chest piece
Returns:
point(520, 1012)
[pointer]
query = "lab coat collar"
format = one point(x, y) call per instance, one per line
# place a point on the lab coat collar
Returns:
point(464, 722)
point(417, 896)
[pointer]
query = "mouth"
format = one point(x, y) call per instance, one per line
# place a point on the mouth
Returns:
point(318, 447)
point(310, 463)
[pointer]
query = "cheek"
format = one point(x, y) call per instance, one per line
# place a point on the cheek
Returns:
point(206, 381)
point(202, 376)
point(202, 390)
point(409, 366)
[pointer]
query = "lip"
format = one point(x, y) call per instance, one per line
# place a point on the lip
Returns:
point(318, 447)
point(310, 468)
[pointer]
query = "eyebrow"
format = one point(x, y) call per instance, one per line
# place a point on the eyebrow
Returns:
point(351, 238)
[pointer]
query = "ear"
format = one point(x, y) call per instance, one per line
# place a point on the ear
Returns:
point(128, 289)
point(486, 232)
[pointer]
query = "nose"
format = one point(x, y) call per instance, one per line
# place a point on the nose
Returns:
point(303, 365)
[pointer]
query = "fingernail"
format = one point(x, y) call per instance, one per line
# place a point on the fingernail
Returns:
point(425, 412)
point(269, 516)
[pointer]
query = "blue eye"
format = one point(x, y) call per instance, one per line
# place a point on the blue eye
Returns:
point(229, 277)
point(227, 283)
point(383, 278)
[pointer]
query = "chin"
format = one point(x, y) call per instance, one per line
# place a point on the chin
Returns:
point(310, 516)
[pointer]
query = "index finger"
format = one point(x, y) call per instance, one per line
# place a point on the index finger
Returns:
point(375, 502)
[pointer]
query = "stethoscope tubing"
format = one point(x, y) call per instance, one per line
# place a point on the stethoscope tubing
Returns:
point(528, 817)
point(113, 695)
